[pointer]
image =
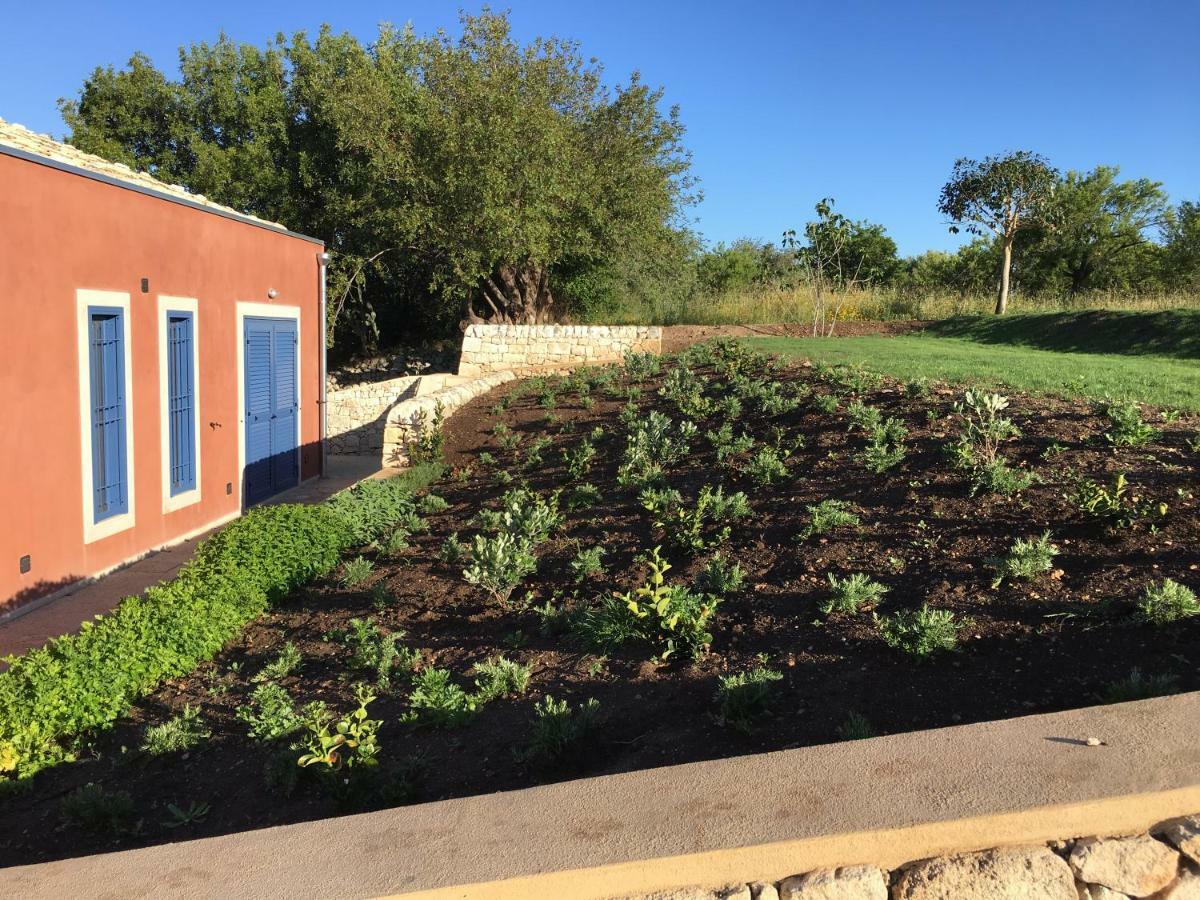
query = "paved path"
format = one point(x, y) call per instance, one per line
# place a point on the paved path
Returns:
point(32, 625)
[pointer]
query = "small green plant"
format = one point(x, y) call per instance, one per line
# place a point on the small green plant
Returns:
point(373, 651)
point(855, 728)
point(826, 403)
point(587, 562)
point(287, 662)
point(1025, 560)
point(533, 453)
point(453, 551)
point(920, 632)
point(499, 563)
point(349, 742)
point(270, 713)
point(583, 496)
point(578, 462)
point(672, 617)
point(641, 366)
point(745, 698)
point(1167, 601)
point(998, 477)
point(437, 701)
point(499, 677)
point(431, 504)
point(1126, 427)
point(826, 516)
point(558, 728)
point(852, 593)
point(396, 542)
point(356, 571)
point(766, 467)
point(97, 809)
point(194, 812)
point(179, 733)
point(885, 445)
point(696, 528)
point(1139, 686)
point(508, 441)
point(429, 438)
point(719, 577)
point(1113, 504)
point(977, 450)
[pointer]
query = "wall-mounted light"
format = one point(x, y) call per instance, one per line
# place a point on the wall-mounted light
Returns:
point(323, 258)
point(272, 293)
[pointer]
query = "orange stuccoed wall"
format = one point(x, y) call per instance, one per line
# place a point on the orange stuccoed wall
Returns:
point(61, 232)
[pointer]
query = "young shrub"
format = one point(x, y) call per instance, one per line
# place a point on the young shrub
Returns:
point(984, 429)
point(499, 563)
point(270, 713)
point(1126, 428)
point(429, 439)
point(1025, 560)
point(885, 446)
point(96, 809)
point(745, 698)
point(377, 653)
point(437, 701)
point(696, 528)
point(855, 728)
point(587, 562)
point(826, 516)
point(852, 593)
point(533, 454)
point(499, 677)
point(179, 733)
point(654, 445)
point(1165, 602)
point(671, 617)
point(578, 462)
point(766, 467)
point(558, 729)
point(524, 514)
point(583, 496)
point(431, 504)
point(281, 666)
point(1139, 686)
point(867, 418)
point(396, 542)
point(826, 403)
point(453, 551)
point(998, 477)
point(719, 578)
point(1113, 505)
point(356, 571)
point(920, 633)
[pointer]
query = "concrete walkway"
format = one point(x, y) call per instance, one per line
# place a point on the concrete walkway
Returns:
point(32, 625)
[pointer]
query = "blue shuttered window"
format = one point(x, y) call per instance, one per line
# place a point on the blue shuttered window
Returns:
point(181, 402)
point(106, 354)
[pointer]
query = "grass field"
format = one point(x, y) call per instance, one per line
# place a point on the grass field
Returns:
point(1166, 381)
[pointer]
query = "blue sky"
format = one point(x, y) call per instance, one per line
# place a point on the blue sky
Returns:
point(785, 103)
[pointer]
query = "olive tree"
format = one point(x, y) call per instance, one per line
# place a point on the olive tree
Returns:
point(999, 195)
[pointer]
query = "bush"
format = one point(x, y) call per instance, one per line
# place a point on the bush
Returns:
point(498, 678)
point(826, 516)
point(96, 809)
point(920, 632)
point(182, 732)
point(1026, 560)
point(52, 695)
point(436, 700)
point(851, 593)
point(270, 714)
point(558, 728)
point(744, 698)
point(1167, 601)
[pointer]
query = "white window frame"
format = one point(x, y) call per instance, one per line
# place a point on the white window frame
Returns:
point(166, 305)
point(85, 298)
point(270, 311)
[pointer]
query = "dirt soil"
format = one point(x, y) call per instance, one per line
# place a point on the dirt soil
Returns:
point(1053, 643)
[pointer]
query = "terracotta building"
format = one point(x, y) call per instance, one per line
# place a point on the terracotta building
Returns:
point(161, 363)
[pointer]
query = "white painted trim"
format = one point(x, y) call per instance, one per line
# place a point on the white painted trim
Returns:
point(168, 304)
point(268, 311)
point(93, 530)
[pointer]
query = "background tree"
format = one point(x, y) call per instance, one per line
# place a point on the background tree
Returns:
point(999, 195)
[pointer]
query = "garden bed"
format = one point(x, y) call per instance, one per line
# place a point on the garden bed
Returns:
point(930, 529)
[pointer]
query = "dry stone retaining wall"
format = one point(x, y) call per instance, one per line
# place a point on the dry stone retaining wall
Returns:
point(530, 348)
point(355, 416)
point(404, 420)
point(1160, 866)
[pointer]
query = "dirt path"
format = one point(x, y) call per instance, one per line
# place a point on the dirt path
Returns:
point(676, 337)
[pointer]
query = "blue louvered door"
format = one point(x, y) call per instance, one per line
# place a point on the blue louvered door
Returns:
point(106, 354)
point(272, 411)
point(181, 402)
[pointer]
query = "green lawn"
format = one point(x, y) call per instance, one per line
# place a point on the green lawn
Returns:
point(1159, 380)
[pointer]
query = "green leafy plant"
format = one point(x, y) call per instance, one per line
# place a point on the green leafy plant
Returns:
point(287, 662)
point(985, 428)
point(270, 713)
point(349, 742)
point(766, 467)
point(499, 563)
point(396, 542)
point(559, 728)
point(1114, 505)
point(194, 812)
point(1139, 686)
point(744, 698)
point(654, 445)
point(499, 677)
point(583, 496)
point(97, 809)
point(453, 551)
point(852, 593)
point(1025, 560)
point(696, 528)
point(641, 366)
point(826, 516)
point(356, 571)
point(719, 577)
point(431, 504)
point(1167, 601)
point(671, 617)
point(437, 701)
point(920, 633)
point(855, 728)
point(587, 562)
point(429, 439)
point(524, 514)
point(578, 462)
point(373, 651)
point(179, 733)
point(1126, 427)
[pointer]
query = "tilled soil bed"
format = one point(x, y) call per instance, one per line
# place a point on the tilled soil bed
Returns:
point(1068, 637)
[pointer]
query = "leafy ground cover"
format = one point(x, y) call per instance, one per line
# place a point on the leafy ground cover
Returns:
point(666, 562)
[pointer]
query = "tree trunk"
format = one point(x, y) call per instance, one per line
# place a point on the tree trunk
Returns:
point(1005, 271)
point(514, 295)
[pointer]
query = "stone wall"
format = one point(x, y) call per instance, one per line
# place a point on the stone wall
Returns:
point(355, 416)
point(530, 348)
point(1161, 866)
